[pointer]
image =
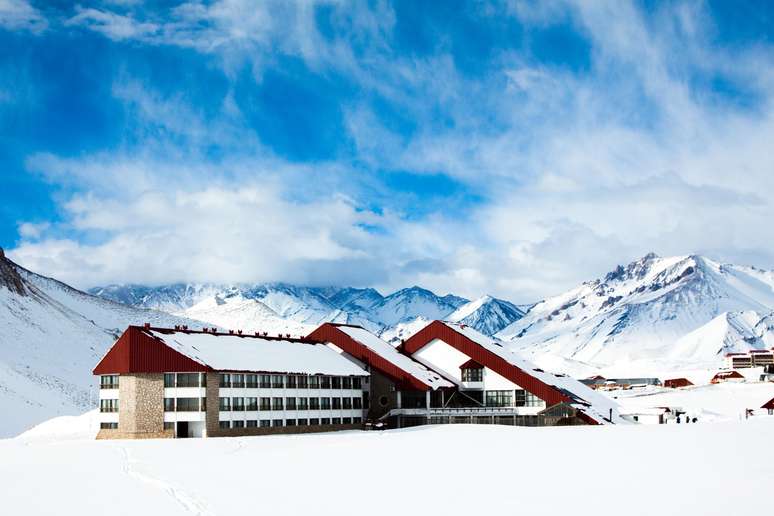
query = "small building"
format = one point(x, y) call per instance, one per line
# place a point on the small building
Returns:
point(160, 382)
point(727, 376)
point(762, 357)
point(738, 360)
point(648, 416)
point(769, 406)
point(611, 384)
point(677, 383)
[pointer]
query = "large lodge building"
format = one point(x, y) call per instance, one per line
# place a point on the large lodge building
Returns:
point(158, 382)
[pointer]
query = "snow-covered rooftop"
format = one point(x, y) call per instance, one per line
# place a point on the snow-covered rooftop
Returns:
point(248, 353)
point(593, 403)
point(392, 355)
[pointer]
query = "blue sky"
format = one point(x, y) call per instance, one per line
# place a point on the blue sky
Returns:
point(513, 148)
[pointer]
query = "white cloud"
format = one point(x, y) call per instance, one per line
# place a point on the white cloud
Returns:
point(21, 15)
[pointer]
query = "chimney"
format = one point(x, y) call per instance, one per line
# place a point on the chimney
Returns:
point(230, 332)
point(287, 335)
point(185, 327)
point(265, 334)
point(146, 325)
point(257, 334)
point(239, 332)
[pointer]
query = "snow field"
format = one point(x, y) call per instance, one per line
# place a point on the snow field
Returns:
point(454, 469)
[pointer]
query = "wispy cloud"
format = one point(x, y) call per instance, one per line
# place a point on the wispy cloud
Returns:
point(21, 15)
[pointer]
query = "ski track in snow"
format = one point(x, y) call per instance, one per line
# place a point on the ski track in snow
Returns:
point(185, 499)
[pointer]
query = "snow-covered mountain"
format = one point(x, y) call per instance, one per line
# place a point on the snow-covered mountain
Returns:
point(51, 336)
point(284, 308)
point(685, 311)
point(487, 314)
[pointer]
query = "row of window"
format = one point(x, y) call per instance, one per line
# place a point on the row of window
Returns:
point(185, 404)
point(108, 405)
point(185, 380)
point(109, 426)
point(278, 403)
point(517, 398)
point(274, 423)
point(108, 381)
point(279, 381)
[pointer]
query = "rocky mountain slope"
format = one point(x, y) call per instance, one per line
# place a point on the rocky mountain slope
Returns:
point(654, 313)
point(51, 336)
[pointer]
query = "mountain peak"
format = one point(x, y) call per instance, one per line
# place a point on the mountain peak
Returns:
point(9, 276)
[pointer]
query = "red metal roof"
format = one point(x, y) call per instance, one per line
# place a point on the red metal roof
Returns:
point(677, 382)
point(138, 352)
point(471, 364)
point(329, 332)
point(441, 331)
point(769, 404)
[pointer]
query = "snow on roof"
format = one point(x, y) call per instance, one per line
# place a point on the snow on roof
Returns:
point(593, 403)
point(257, 354)
point(396, 358)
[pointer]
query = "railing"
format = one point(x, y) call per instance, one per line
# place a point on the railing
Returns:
point(512, 411)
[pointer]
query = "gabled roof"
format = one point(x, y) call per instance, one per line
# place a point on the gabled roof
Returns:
point(157, 350)
point(769, 404)
point(471, 364)
point(380, 355)
point(728, 374)
point(492, 353)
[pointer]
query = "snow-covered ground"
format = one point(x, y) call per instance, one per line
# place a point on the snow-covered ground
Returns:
point(702, 469)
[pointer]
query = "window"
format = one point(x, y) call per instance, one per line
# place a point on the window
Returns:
point(473, 374)
point(383, 401)
point(303, 382)
point(265, 381)
point(276, 422)
point(239, 424)
point(526, 399)
point(108, 381)
point(291, 382)
point(303, 422)
point(357, 419)
point(347, 421)
point(336, 403)
point(251, 381)
point(276, 403)
point(325, 403)
point(251, 404)
point(108, 405)
point(110, 426)
point(290, 403)
point(336, 382)
point(252, 423)
point(325, 382)
point(203, 380)
point(276, 381)
point(314, 403)
point(347, 403)
point(224, 404)
point(169, 404)
point(225, 380)
point(265, 404)
point(203, 404)
point(499, 398)
point(238, 404)
point(346, 382)
point(302, 403)
point(187, 380)
point(290, 422)
point(224, 424)
point(265, 423)
point(314, 421)
point(169, 379)
point(238, 381)
point(357, 403)
point(336, 421)
point(357, 383)
point(325, 421)
point(314, 382)
point(187, 404)
point(169, 426)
